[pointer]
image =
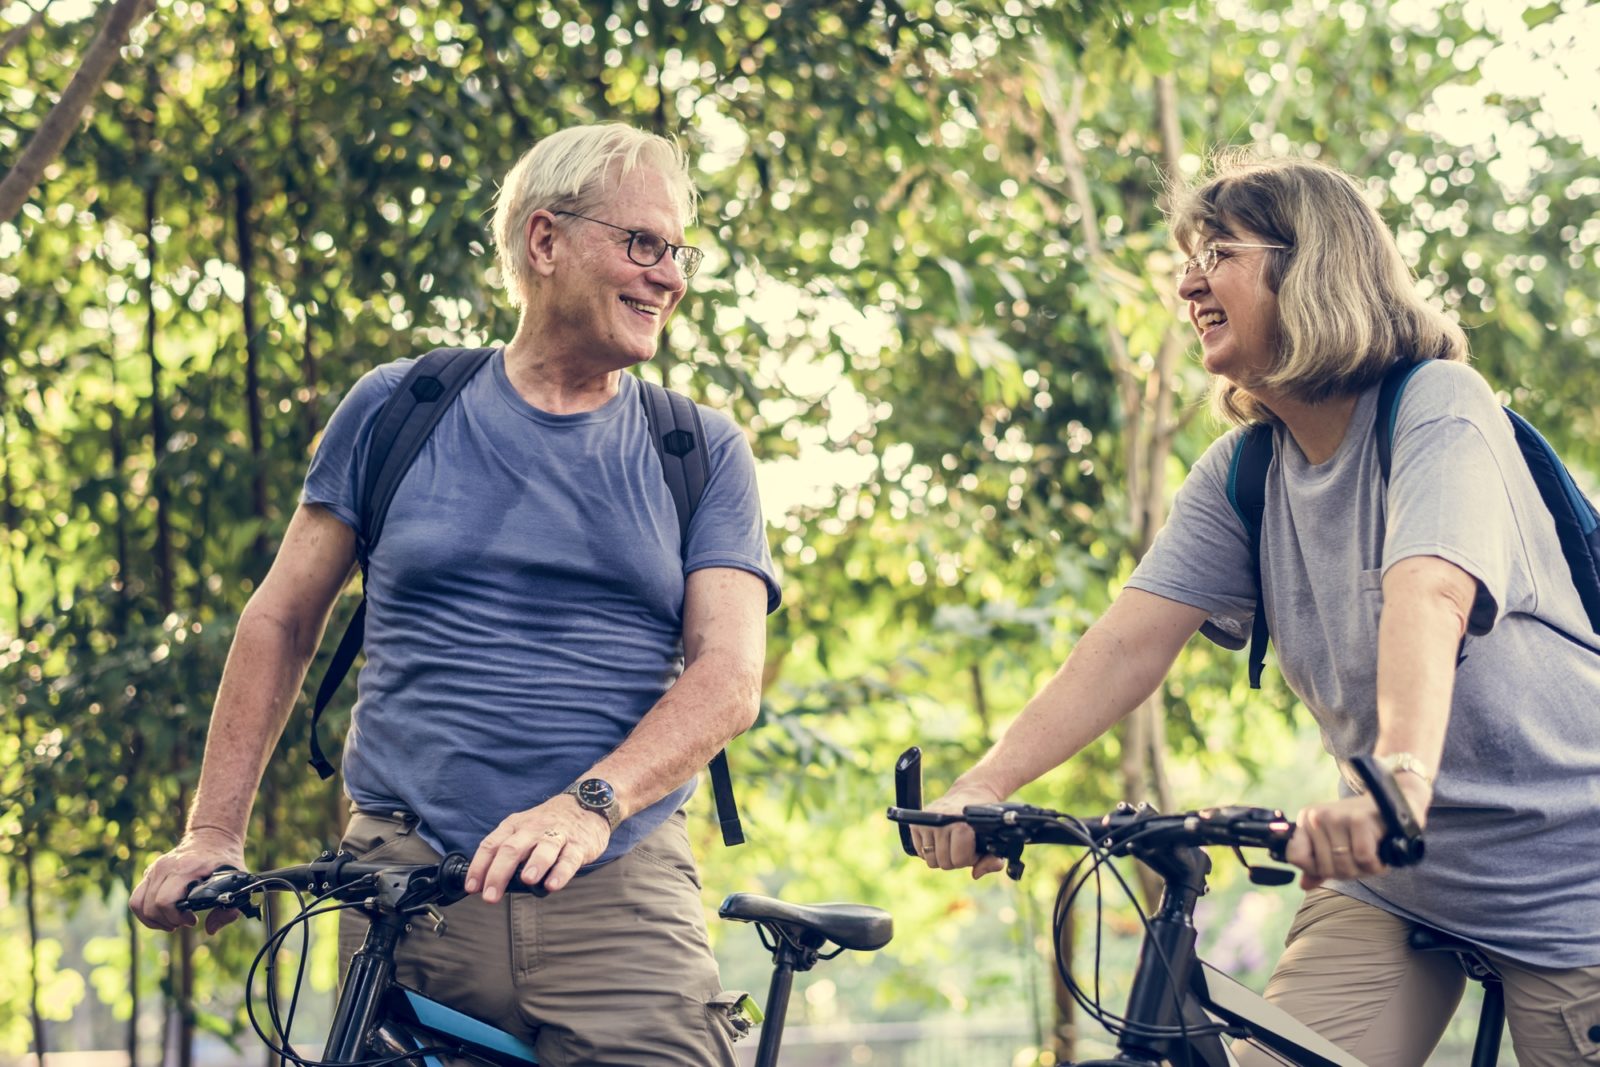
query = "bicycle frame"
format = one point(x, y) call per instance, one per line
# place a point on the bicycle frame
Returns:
point(1168, 965)
point(373, 1002)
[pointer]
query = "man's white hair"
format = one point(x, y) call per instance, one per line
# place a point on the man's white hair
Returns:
point(576, 170)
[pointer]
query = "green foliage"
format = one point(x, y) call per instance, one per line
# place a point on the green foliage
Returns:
point(899, 292)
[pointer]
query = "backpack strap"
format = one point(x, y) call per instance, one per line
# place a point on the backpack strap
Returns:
point(678, 437)
point(1247, 492)
point(403, 424)
point(1576, 520)
point(1394, 383)
point(676, 433)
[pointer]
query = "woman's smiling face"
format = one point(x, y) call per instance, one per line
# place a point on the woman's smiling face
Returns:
point(1232, 307)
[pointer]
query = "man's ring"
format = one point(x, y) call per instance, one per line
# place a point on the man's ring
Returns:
point(927, 848)
point(559, 834)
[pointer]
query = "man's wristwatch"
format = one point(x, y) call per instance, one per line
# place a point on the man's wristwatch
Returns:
point(1406, 763)
point(596, 795)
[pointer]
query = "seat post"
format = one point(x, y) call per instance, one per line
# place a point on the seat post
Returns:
point(787, 958)
point(1491, 1024)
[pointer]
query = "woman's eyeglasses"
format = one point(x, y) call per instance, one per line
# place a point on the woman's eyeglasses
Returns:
point(1206, 260)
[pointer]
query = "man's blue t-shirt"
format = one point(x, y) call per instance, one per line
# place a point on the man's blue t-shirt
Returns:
point(525, 600)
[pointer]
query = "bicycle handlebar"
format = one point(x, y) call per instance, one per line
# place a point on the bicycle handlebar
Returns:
point(403, 886)
point(1005, 829)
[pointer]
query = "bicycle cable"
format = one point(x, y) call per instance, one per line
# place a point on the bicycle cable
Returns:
point(274, 942)
point(1098, 857)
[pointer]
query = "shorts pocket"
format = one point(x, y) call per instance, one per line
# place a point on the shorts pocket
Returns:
point(732, 1013)
point(377, 837)
point(1583, 1020)
point(668, 849)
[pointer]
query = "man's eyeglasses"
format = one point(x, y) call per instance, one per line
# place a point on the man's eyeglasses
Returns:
point(1213, 253)
point(646, 248)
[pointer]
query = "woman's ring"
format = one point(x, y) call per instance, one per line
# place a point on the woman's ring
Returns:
point(559, 834)
point(1341, 848)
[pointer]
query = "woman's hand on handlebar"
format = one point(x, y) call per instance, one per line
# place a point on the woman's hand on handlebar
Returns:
point(952, 847)
point(167, 881)
point(1339, 839)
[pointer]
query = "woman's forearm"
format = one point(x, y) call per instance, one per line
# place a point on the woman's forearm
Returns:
point(1114, 667)
point(1426, 603)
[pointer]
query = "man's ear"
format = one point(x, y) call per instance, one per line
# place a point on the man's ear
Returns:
point(539, 243)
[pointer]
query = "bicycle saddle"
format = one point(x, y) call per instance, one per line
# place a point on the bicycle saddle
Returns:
point(852, 926)
point(1473, 961)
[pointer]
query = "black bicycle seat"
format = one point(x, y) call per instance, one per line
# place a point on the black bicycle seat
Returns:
point(852, 926)
point(1473, 961)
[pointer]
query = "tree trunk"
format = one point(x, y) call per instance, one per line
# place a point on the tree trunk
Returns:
point(1064, 1038)
point(30, 888)
point(243, 202)
point(8, 503)
point(158, 415)
point(132, 1034)
point(56, 129)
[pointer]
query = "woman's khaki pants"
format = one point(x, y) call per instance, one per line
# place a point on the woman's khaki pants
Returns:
point(1349, 974)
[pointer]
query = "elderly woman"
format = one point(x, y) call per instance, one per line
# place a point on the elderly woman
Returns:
point(1426, 621)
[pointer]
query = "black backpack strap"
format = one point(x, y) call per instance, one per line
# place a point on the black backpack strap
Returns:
point(678, 436)
point(1247, 492)
point(407, 418)
point(403, 424)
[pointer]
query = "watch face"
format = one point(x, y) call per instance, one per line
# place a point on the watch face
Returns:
point(596, 793)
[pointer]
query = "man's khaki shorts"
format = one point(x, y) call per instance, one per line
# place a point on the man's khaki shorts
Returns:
point(613, 969)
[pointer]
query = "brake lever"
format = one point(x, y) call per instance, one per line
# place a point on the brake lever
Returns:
point(995, 835)
point(222, 897)
point(1402, 843)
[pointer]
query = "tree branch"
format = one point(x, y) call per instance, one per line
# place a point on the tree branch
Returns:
point(56, 129)
point(18, 33)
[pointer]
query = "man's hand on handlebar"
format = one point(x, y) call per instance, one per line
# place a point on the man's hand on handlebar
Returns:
point(202, 850)
point(546, 844)
point(1339, 839)
point(951, 847)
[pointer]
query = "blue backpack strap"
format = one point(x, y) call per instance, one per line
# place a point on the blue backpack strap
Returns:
point(1247, 492)
point(403, 424)
point(678, 437)
point(1577, 522)
point(1394, 383)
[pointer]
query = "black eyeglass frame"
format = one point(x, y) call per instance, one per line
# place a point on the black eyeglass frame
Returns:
point(689, 263)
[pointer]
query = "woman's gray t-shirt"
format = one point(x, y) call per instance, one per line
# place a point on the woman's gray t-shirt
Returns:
point(525, 603)
point(1514, 830)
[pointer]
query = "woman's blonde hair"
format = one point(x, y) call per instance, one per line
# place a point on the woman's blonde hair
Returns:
point(1348, 306)
point(576, 170)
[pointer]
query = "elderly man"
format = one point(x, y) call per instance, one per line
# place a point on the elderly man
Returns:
point(521, 701)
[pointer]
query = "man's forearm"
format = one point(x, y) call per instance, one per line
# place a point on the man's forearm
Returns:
point(716, 699)
point(265, 668)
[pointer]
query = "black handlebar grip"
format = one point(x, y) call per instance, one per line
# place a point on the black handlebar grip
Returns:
point(908, 791)
point(1402, 843)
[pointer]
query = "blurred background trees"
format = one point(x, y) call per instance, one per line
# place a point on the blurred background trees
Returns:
point(938, 294)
